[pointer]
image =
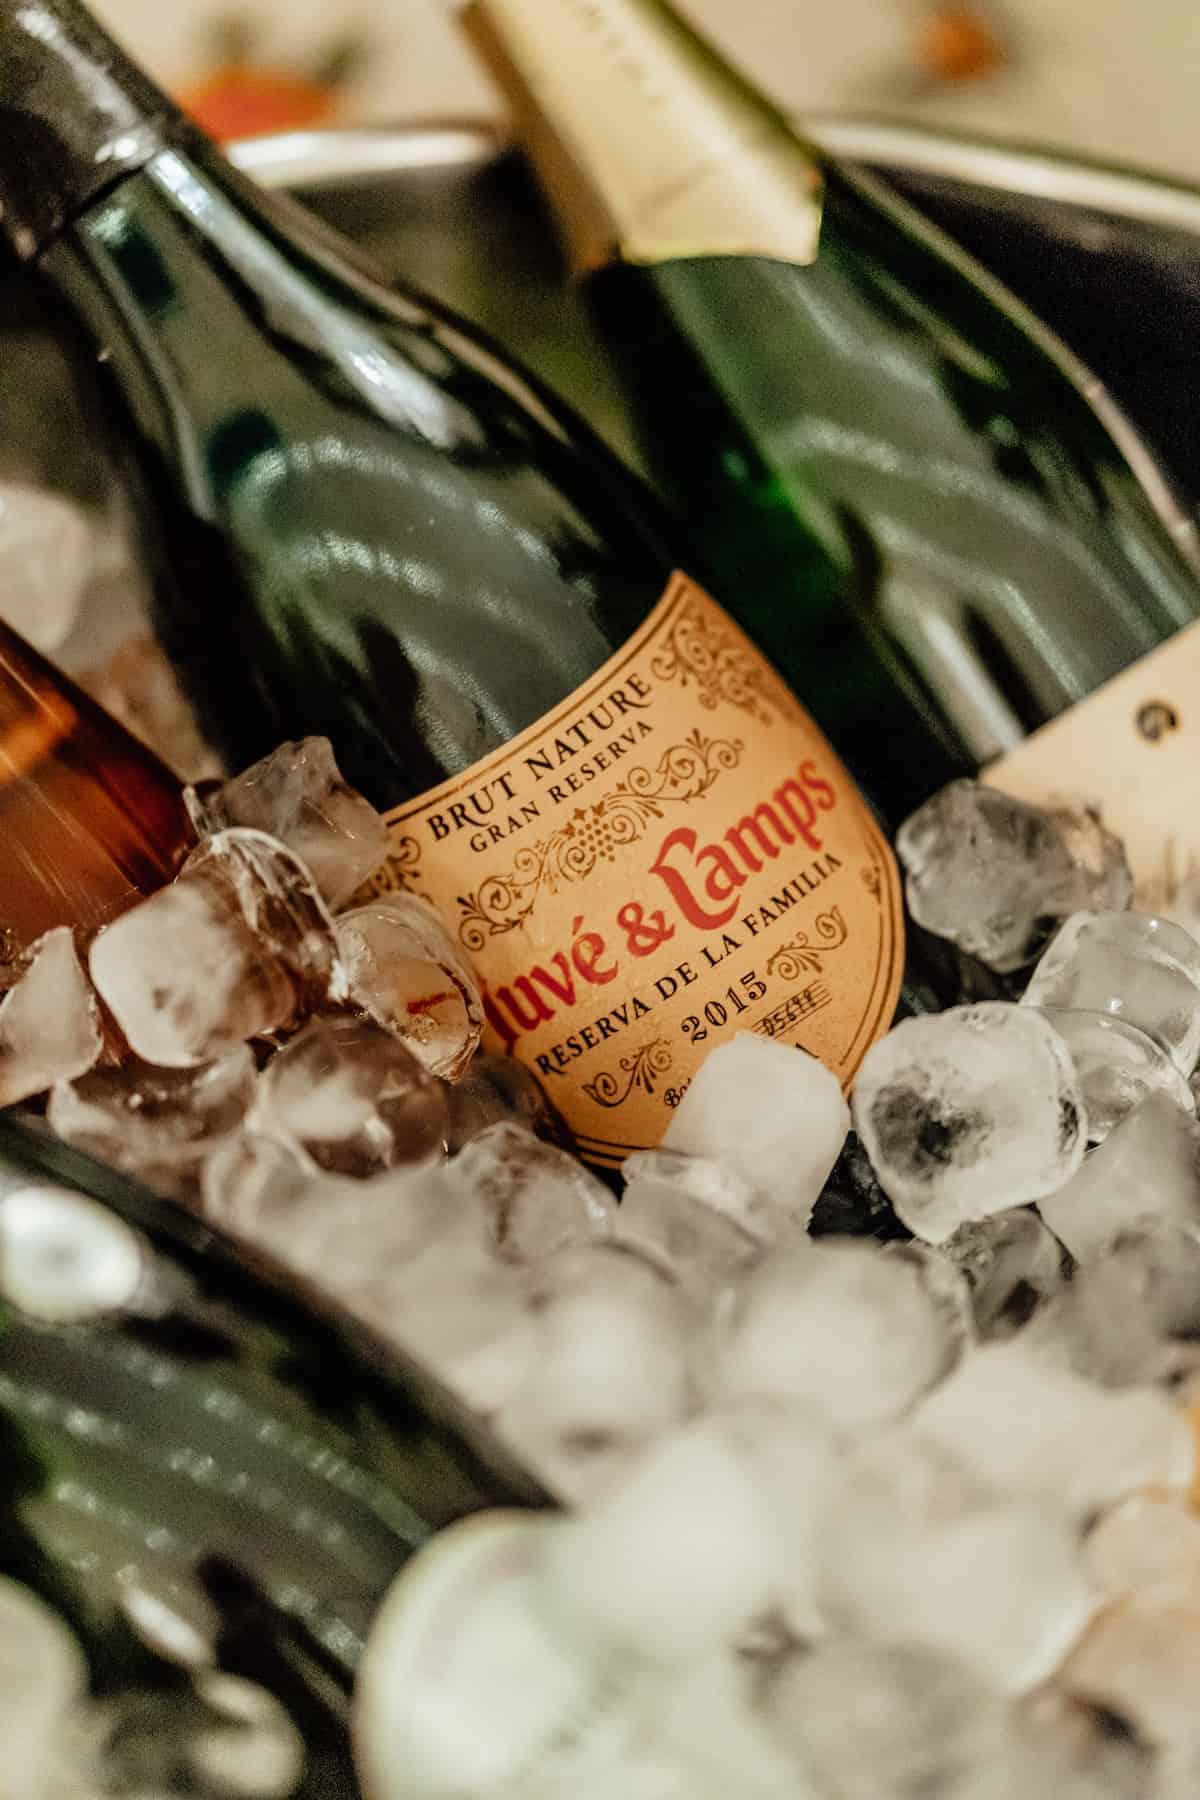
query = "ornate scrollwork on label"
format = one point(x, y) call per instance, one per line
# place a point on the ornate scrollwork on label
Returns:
point(800, 956)
point(642, 1069)
point(594, 834)
point(401, 873)
point(697, 651)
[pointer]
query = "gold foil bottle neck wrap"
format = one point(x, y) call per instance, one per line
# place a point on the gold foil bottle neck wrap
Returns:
point(649, 148)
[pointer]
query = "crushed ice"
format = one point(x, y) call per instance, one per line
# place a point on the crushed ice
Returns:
point(854, 1517)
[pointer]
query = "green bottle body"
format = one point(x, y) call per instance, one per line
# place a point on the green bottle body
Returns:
point(907, 469)
point(207, 1444)
point(359, 522)
point(926, 484)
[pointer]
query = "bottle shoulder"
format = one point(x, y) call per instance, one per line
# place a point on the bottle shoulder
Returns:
point(409, 543)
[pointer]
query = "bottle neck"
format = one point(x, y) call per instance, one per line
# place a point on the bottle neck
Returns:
point(651, 148)
point(76, 116)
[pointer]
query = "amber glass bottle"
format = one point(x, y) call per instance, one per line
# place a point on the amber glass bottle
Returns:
point(89, 818)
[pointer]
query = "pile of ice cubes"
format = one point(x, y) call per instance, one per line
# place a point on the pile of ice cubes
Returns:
point(184, 1728)
point(874, 1430)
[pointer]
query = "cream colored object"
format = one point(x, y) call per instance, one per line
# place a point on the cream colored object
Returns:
point(1129, 750)
point(49, 552)
point(467, 1688)
point(681, 161)
point(1101, 77)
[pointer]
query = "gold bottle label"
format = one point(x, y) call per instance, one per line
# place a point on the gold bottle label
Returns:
point(1131, 750)
point(675, 854)
point(651, 149)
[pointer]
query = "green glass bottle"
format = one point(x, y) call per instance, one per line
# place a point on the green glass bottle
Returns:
point(201, 1471)
point(363, 521)
point(925, 490)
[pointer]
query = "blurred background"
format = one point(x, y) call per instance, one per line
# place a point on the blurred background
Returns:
point(1112, 79)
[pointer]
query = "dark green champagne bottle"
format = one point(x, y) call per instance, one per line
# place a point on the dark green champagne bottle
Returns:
point(200, 1470)
point(853, 418)
point(364, 522)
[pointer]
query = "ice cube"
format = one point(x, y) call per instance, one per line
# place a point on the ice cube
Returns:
point(967, 1112)
point(491, 1089)
point(712, 1184)
point(1140, 1659)
point(1145, 1542)
point(1176, 1773)
point(139, 686)
point(843, 1327)
point(354, 1099)
point(611, 1371)
point(797, 1464)
point(66, 1259)
point(694, 1213)
point(885, 1721)
point(1032, 1428)
point(537, 1199)
point(1132, 1314)
point(405, 971)
point(400, 1251)
point(404, 1252)
point(365, 1242)
point(157, 1124)
point(543, 1719)
point(1147, 1168)
point(993, 875)
point(1117, 1066)
point(1064, 1749)
point(236, 947)
point(298, 795)
point(457, 1308)
point(773, 1113)
point(280, 904)
point(248, 1744)
point(49, 549)
point(185, 977)
point(916, 1549)
point(706, 1740)
point(673, 1562)
point(489, 1367)
point(1013, 1265)
point(1143, 970)
point(43, 1676)
point(49, 1021)
point(250, 1185)
point(946, 1288)
point(1099, 855)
